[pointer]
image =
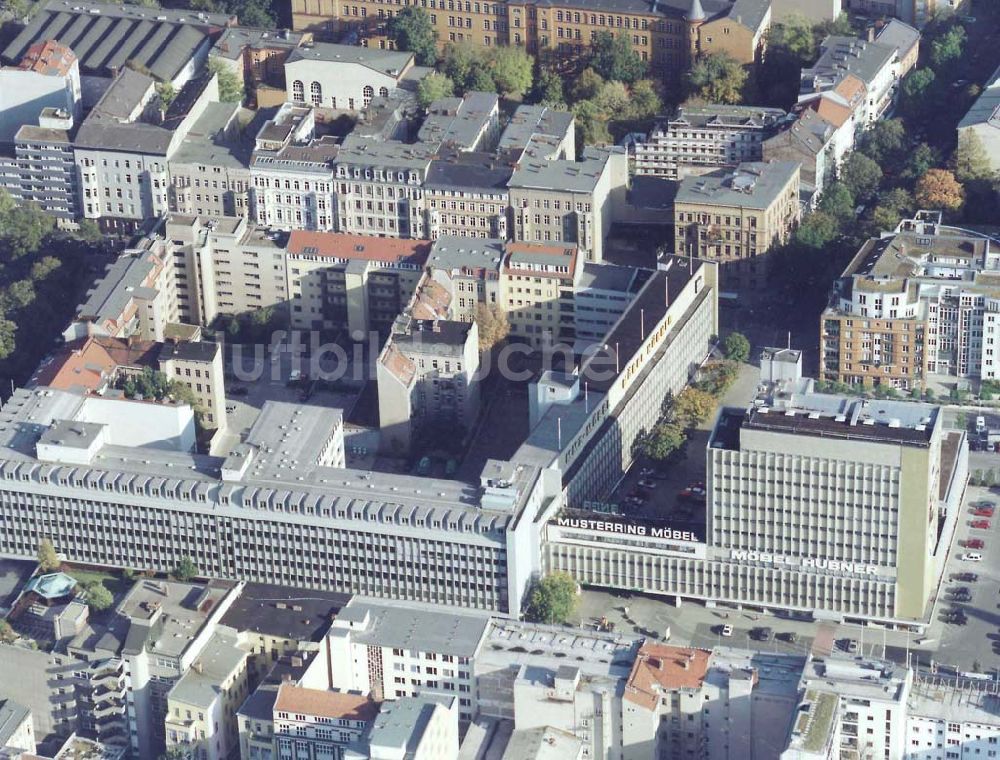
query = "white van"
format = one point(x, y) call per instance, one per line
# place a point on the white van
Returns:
point(980, 423)
point(972, 557)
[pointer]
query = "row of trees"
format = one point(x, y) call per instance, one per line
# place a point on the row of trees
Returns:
point(610, 97)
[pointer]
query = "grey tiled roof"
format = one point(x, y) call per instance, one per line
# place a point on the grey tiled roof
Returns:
point(389, 62)
point(752, 185)
point(570, 176)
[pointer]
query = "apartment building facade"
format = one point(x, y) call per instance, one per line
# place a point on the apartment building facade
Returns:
point(538, 288)
point(735, 217)
point(699, 139)
point(667, 36)
point(922, 299)
point(398, 651)
point(562, 201)
point(41, 167)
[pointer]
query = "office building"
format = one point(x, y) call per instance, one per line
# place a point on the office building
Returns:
point(393, 651)
point(545, 677)
point(172, 45)
point(292, 173)
point(814, 143)
point(39, 166)
point(719, 703)
point(209, 172)
point(983, 120)
point(16, 729)
point(537, 292)
point(879, 62)
point(917, 301)
point(850, 708)
point(945, 718)
point(427, 372)
point(564, 201)
point(123, 147)
point(47, 75)
point(668, 36)
point(150, 507)
point(353, 282)
point(699, 139)
point(258, 57)
point(202, 703)
point(733, 217)
point(881, 563)
point(346, 77)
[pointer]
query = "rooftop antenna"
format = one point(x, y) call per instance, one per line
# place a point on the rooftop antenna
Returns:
point(642, 324)
point(559, 433)
point(617, 368)
point(789, 340)
point(666, 291)
point(586, 397)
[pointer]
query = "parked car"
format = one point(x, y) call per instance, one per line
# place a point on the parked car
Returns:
point(727, 630)
point(790, 636)
point(975, 543)
point(971, 557)
point(647, 472)
point(852, 646)
point(695, 494)
point(762, 634)
point(647, 483)
point(965, 577)
point(983, 508)
point(980, 524)
point(954, 617)
point(962, 596)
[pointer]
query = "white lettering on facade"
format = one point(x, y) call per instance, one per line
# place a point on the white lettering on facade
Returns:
point(833, 565)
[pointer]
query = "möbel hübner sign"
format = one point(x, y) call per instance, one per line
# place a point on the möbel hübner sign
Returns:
point(805, 563)
point(623, 528)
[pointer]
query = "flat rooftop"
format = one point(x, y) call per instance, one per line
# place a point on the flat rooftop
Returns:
point(414, 627)
point(201, 683)
point(178, 609)
point(291, 613)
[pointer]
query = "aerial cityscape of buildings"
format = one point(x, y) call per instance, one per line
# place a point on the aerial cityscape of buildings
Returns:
point(387, 409)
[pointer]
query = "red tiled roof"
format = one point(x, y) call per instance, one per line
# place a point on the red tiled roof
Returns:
point(363, 247)
point(87, 364)
point(326, 704)
point(660, 667)
point(49, 57)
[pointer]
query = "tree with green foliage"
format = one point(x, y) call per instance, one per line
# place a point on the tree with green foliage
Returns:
point(644, 100)
point(89, 231)
point(433, 87)
point(892, 206)
point(7, 634)
point(8, 335)
point(663, 441)
point(48, 560)
point(972, 162)
point(816, 230)
point(460, 60)
point(915, 93)
point(231, 88)
point(511, 69)
point(614, 58)
point(591, 124)
point(186, 570)
point(613, 100)
point(718, 78)
point(736, 347)
point(167, 94)
point(860, 175)
point(587, 85)
point(947, 49)
point(795, 34)
point(885, 142)
point(44, 267)
point(411, 29)
point(17, 295)
point(98, 598)
point(837, 201)
point(920, 159)
point(552, 599)
point(23, 227)
point(548, 90)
